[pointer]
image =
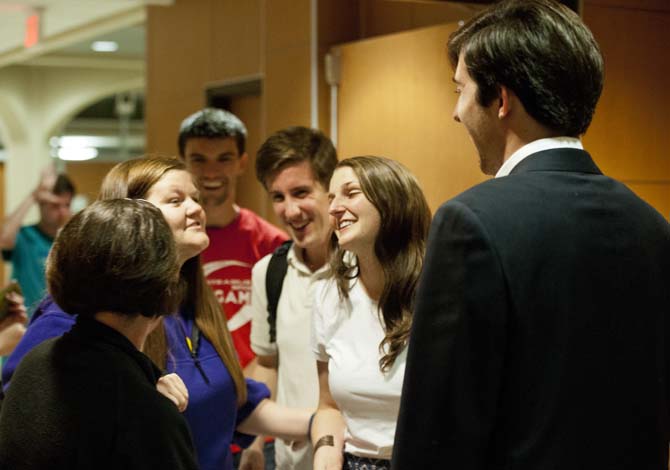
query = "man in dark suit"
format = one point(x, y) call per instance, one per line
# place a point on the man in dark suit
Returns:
point(541, 336)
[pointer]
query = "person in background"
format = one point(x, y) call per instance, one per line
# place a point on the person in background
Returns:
point(541, 333)
point(88, 399)
point(212, 143)
point(294, 165)
point(195, 344)
point(363, 313)
point(27, 247)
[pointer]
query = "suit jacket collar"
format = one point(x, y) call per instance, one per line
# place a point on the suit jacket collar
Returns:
point(560, 159)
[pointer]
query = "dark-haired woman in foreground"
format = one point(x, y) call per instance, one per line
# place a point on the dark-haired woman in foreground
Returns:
point(88, 399)
point(363, 313)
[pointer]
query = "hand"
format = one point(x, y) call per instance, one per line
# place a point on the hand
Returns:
point(10, 337)
point(252, 458)
point(17, 311)
point(328, 458)
point(172, 386)
point(44, 190)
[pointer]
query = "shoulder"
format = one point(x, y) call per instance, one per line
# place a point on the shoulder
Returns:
point(256, 393)
point(34, 234)
point(37, 354)
point(260, 269)
point(250, 220)
point(25, 234)
point(486, 192)
point(52, 323)
point(50, 320)
point(491, 199)
point(263, 229)
point(29, 229)
point(326, 294)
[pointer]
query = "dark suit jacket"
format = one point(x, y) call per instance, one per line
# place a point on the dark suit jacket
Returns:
point(541, 336)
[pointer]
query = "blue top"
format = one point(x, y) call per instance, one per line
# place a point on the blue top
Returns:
point(212, 411)
point(28, 257)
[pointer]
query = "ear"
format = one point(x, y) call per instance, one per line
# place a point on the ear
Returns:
point(244, 161)
point(505, 102)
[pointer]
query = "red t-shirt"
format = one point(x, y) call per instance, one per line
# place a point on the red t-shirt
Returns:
point(227, 262)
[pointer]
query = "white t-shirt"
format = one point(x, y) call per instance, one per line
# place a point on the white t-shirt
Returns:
point(297, 378)
point(347, 334)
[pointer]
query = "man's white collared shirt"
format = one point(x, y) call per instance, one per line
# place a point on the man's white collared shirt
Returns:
point(534, 147)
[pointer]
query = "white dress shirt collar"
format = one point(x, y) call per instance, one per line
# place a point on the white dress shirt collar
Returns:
point(534, 147)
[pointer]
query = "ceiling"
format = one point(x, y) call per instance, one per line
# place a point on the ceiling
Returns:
point(67, 30)
point(68, 26)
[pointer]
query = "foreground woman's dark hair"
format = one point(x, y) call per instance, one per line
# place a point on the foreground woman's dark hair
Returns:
point(116, 256)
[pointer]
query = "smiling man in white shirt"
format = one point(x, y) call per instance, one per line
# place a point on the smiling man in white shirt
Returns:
point(294, 165)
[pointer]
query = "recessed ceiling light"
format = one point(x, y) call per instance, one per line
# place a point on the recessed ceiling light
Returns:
point(105, 46)
point(77, 153)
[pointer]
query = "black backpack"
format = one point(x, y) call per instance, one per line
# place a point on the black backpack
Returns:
point(274, 281)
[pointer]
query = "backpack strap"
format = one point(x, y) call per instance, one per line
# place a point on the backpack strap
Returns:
point(274, 281)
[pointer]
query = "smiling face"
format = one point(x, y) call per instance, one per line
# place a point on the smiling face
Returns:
point(355, 219)
point(481, 122)
point(215, 163)
point(301, 203)
point(177, 198)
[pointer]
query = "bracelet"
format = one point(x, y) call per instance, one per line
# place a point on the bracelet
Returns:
point(327, 440)
point(309, 426)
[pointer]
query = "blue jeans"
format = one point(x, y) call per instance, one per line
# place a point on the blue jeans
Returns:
point(268, 454)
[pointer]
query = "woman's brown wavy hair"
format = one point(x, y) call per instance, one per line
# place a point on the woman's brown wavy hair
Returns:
point(134, 179)
point(400, 246)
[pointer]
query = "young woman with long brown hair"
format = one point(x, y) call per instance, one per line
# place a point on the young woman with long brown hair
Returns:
point(363, 313)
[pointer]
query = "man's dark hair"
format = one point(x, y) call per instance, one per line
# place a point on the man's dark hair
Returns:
point(295, 145)
point(212, 123)
point(540, 50)
point(118, 256)
point(63, 185)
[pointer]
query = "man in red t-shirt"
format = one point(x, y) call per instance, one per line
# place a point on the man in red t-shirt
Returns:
point(212, 143)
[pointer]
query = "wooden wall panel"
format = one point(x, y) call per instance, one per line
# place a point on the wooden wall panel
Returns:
point(287, 24)
point(250, 193)
point(629, 136)
point(178, 64)
point(287, 88)
point(656, 194)
point(190, 44)
point(399, 105)
point(87, 177)
point(657, 5)
point(235, 38)
point(338, 21)
point(380, 17)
